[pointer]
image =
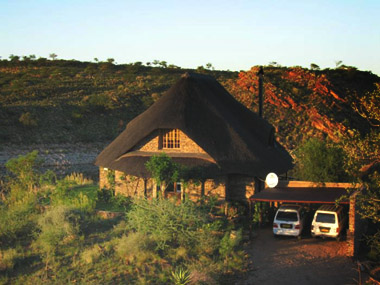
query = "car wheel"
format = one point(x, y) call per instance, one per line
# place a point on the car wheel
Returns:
point(299, 237)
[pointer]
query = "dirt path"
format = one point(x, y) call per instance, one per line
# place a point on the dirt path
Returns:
point(286, 260)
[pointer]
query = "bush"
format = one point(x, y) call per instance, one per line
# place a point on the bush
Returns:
point(134, 246)
point(23, 175)
point(183, 235)
point(58, 226)
point(92, 254)
point(18, 220)
point(63, 194)
point(78, 179)
point(8, 259)
point(319, 162)
point(100, 102)
point(28, 120)
point(165, 222)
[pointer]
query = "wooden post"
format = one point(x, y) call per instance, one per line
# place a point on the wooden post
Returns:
point(182, 192)
point(163, 188)
point(154, 191)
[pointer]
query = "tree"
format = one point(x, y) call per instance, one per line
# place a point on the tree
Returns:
point(163, 64)
point(319, 162)
point(363, 165)
point(53, 56)
point(209, 66)
point(14, 58)
point(338, 63)
point(314, 66)
point(110, 60)
point(164, 171)
point(368, 106)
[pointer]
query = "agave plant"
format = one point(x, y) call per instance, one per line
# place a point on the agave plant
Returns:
point(181, 276)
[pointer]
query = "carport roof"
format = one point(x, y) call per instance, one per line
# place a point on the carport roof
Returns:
point(318, 195)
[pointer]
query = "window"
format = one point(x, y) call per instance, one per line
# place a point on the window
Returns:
point(174, 187)
point(179, 186)
point(325, 218)
point(171, 138)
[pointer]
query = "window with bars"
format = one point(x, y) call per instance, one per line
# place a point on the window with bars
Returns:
point(170, 139)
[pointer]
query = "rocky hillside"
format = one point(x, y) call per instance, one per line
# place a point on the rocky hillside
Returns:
point(302, 103)
point(59, 101)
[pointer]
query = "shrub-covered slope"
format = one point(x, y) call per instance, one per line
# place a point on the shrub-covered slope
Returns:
point(62, 101)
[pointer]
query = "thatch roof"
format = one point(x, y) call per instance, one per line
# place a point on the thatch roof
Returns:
point(239, 141)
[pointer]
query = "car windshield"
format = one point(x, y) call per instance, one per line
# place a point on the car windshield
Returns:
point(325, 218)
point(287, 216)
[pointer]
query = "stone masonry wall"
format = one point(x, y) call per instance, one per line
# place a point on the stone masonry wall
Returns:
point(240, 187)
point(103, 180)
point(356, 228)
point(150, 143)
point(133, 186)
point(210, 187)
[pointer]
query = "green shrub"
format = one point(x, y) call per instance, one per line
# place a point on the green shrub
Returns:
point(18, 220)
point(58, 226)
point(165, 222)
point(65, 194)
point(92, 254)
point(78, 179)
point(319, 162)
point(8, 258)
point(100, 102)
point(105, 195)
point(229, 242)
point(133, 246)
point(28, 120)
point(23, 175)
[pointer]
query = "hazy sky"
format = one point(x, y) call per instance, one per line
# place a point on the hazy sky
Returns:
point(232, 35)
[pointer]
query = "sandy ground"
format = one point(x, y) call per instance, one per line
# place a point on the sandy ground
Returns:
point(287, 260)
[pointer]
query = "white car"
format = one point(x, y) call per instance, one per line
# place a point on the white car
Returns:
point(289, 220)
point(328, 221)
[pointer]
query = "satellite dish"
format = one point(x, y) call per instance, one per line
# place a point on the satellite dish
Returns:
point(271, 180)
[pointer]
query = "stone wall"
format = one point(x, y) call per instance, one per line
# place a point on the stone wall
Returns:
point(129, 185)
point(356, 228)
point(103, 180)
point(151, 144)
point(209, 187)
point(241, 187)
point(133, 186)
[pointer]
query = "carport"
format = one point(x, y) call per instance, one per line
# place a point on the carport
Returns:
point(316, 193)
point(307, 195)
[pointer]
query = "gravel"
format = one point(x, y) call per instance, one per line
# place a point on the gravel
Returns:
point(287, 260)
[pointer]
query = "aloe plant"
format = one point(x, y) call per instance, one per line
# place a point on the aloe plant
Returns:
point(181, 276)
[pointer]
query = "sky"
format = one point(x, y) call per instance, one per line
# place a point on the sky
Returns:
point(231, 35)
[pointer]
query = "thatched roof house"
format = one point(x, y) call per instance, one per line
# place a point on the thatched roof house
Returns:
point(225, 137)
